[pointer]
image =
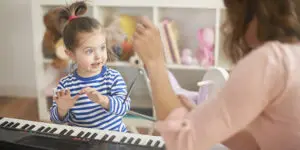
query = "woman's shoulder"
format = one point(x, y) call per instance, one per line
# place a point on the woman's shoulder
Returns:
point(273, 52)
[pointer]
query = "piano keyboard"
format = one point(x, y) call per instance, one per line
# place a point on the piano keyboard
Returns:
point(82, 134)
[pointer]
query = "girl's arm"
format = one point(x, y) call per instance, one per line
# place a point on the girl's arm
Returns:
point(117, 96)
point(56, 115)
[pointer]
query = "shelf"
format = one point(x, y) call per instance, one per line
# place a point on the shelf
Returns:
point(162, 3)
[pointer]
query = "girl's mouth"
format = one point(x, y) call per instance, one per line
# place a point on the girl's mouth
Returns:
point(96, 64)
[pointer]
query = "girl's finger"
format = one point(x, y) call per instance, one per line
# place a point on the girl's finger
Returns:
point(55, 98)
point(75, 98)
point(61, 93)
point(68, 92)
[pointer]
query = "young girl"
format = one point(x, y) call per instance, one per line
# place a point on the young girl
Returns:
point(91, 96)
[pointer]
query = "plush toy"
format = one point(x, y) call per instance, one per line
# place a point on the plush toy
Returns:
point(136, 61)
point(52, 43)
point(205, 53)
point(187, 58)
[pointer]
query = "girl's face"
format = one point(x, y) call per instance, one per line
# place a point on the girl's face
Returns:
point(91, 54)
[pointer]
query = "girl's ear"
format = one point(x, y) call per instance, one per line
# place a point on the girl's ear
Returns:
point(70, 54)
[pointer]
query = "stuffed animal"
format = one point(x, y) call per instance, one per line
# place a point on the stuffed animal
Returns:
point(205, 53)
point(53, 46)
point(136, 61)
point(187, 58)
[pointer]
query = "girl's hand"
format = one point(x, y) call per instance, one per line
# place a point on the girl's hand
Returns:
point(96, 97)
point(147, 42)
point(64, 100)
point(92, 94)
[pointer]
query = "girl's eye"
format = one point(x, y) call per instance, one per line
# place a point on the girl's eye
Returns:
point(89, 51)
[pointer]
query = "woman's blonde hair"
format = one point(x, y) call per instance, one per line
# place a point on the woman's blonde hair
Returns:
point(277, 20)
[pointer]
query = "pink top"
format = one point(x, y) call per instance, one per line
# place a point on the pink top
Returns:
point(261, 96)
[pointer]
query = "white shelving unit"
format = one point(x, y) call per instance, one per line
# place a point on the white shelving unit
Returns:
point(189, 15)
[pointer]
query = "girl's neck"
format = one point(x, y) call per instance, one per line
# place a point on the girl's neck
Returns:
point(85, 74)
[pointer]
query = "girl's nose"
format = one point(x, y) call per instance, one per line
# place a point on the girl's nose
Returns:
point(97, 54)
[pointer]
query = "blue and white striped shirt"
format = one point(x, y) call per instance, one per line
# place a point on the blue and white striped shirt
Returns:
point(87, 113)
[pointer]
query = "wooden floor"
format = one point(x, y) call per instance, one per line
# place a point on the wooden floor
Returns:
point(21, 108)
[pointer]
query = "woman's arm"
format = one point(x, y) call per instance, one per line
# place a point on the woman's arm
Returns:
point(241, 141)
point(254, 83)
point(164, 97)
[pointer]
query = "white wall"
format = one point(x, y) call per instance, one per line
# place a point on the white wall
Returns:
point(17, 67)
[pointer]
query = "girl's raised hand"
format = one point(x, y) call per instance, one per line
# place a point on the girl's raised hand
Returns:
point(64, 100)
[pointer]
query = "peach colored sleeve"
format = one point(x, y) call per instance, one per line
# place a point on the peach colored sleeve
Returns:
point(254, 83)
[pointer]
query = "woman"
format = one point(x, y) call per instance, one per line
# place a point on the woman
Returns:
point(259, 107)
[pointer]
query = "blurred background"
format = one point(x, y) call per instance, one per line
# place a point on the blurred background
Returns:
point(31, 66)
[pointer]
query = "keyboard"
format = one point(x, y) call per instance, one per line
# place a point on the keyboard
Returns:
point(54, 136)
point(20, 134)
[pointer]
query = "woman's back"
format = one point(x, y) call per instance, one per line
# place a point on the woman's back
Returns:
point(278, 126)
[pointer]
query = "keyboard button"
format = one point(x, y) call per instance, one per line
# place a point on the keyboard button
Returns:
point(63, 132)
point(87, 135)
point(9, 125)
point(130, 140)
point(31, 127)
point(94, 135)
point(15, 125)
point(4, 123)
point(111, 138)
point(137, 141)
point(123, 139)
point(104, 137)
point(149, 143)
point(25, 126)
point(40, 129)
point(80, 134)
point(69, 133)
point(156, 143)
point(47, 129)
point(53, 130)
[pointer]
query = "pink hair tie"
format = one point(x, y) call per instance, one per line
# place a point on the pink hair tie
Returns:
point(72, 17)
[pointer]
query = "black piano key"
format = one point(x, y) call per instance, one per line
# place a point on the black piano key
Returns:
point(80, 134)
point(31, 127)
point(112, 138)
point(104, 137)
point(40, 129)
point(15, 125)
point(69, 133)
point(94, 135)
point(156, 143)
point(149, 143)
point(53, 130)
point(3, 124)
point(87, 135)
point(9, 125)
point(63, 132)
point(25, 126)
point(137, 141)
point(47, 129)
point(130, 140)
point(123, 139)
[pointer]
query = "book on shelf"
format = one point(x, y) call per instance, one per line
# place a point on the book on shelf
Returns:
point(169, 35)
